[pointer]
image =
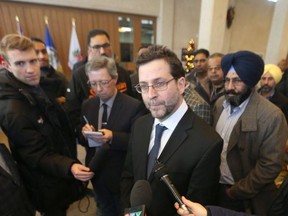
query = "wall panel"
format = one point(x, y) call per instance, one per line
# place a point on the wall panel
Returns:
point(32, 22)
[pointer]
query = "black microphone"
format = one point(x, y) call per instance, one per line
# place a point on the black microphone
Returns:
point(161, 172)
point(140, 198)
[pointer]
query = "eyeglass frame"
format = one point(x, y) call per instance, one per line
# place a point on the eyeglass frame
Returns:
point(99, 46)
point(101, 83)
point(159, 86)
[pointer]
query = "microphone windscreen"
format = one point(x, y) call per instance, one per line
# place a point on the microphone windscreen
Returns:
point(160, 170)
point(141, 194)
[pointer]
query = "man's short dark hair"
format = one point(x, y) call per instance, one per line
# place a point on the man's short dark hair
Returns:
point(92, 33)
point(35, 39)
point(203, 51)
point(161, 52)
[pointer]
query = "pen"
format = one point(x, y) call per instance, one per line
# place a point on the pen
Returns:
point(85, 119)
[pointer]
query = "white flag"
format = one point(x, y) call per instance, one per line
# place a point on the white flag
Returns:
point(74, 50)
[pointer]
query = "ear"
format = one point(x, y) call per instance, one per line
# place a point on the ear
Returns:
point(181, 84)
point(116, 79)
point(6, 65)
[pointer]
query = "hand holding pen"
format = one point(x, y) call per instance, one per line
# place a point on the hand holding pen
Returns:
point(87, 126)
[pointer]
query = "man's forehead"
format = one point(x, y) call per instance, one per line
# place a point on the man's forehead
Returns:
point(19, 55)
point(214, 60)
point(39, 45)
point(267, 75)
point(99, 39)
point(200, 55)
point(232, 74)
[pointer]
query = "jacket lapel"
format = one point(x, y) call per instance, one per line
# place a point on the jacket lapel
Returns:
point(142, 149)
point(115, 110)
point(178, 136)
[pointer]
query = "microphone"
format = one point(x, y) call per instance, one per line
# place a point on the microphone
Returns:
point(161, 172)
point(140, 199)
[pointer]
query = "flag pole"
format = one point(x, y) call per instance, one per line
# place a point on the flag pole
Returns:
point(46, 20)
point(73, 21)
point(18, 26)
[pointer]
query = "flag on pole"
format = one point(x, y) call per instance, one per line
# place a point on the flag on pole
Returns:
point(18, 26)
point(74, 50)
point(52, 53)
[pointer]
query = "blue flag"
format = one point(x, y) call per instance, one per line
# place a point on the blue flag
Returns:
point(53, 56)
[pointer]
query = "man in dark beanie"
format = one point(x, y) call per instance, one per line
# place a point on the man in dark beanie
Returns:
point(254, 133)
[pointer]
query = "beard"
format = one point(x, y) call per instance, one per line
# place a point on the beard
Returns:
point(161, 109)
point(266, 89)
point(237, 98)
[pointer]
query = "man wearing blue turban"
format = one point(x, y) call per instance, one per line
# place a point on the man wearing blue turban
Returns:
point(254, 133)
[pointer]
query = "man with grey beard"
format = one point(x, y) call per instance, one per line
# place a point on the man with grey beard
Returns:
point(254, 133)
point(270, 78)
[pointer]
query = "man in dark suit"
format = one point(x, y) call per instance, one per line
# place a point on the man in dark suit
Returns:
point(98, 43)
point(113, 114)
point(189, 148)
point(13, 199)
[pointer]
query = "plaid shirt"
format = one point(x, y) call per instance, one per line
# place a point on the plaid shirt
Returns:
point(198, 104)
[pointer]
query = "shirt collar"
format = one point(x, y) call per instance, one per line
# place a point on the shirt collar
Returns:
point(172, 121)
point(110, 101)
point(227, 105)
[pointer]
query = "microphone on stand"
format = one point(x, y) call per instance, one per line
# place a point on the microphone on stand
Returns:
point(140, 199)
point(161, 172)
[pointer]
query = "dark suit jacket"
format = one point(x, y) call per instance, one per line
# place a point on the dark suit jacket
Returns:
point(124, 112)
point(191, 155)
point(13, 198)
point(78, 91)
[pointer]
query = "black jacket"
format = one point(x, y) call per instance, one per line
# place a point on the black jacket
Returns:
point(79, 91)
point(13, 198)
point(41, 142)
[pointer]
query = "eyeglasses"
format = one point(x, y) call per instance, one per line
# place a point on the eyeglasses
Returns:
point(235, 81)
point(158, 86)
point(98, 47)
point(199, 60)
point(102, 83)
point(218, 67)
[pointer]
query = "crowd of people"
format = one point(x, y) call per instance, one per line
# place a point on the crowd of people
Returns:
point(220, 130)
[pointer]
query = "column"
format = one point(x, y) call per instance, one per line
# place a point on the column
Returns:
point(277, 47)
point(212, 25)
point(165, 23)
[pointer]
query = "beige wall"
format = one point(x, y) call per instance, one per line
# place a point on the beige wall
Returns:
point(251, 26)
point(179, 22)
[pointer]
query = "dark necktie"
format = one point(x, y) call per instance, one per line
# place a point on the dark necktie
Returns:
point(154, 151)
point(104, 115)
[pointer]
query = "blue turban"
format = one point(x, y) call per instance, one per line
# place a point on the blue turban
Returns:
point(248, 65)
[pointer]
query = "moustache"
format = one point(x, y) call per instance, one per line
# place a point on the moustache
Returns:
point(231, 92)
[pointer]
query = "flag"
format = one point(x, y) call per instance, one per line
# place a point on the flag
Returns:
point(74, 50)
point(53, 56)
point(18, 26)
